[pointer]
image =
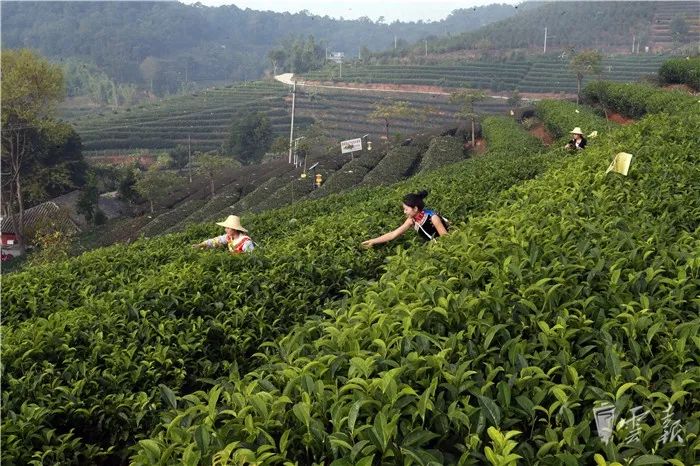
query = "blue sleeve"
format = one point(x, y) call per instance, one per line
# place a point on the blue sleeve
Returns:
point(248, 246)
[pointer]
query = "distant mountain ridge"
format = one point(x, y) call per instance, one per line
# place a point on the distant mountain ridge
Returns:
point(199, 43)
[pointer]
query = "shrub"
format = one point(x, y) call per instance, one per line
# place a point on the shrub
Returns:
point(681, 71)
point(636, 100)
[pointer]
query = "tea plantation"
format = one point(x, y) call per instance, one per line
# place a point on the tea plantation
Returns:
point(206, 116)
point(549, 74)
point(558, 289)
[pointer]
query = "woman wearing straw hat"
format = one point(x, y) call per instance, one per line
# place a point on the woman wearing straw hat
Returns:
point(235, 237)
point(578, 141)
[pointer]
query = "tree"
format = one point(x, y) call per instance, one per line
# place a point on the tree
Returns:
point(88, 201)
point(679, 28)
point(466, 101)
point(209, 166)
point(180, 156)
point(584, 64)
point(391, 112)
point(277, 58)
point(149, 68)
point(514, 100)
point(155, 185)
point(31, 88)
point(127, 183)
point(57, 165)
point(249, 138)
point(280, 145)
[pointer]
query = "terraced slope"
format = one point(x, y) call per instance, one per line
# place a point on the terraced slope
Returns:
point(661, 33)
point(123, 308)
point(206, 117)
point(543, 75)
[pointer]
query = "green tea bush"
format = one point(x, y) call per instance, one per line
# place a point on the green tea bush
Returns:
point(504, 135)
point(443, 150)
point(398, 164)
point(580, 288)
point(560, 117)
point(681, 71)
point(97, 348)
point(636, 100)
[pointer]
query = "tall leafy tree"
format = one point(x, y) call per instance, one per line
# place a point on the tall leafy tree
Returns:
point(31, 89)
point(149, 68)
point(466, 101)
point(155, 185)
point(389, 113)
point(209, 166)
point(585, 64)
point(249, 138)
point(679, 28)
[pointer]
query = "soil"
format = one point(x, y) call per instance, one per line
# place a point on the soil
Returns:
point(480, 146)
point(144, 161)
point(541, 133)
point(620, 119)
point(680, 87)
point(435, 90)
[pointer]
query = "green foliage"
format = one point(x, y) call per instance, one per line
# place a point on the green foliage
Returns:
point(536, 74)
point(465, 100)
point(170, 320)
point(298, 55)
point(580, 23)
point(41, 157)
point(560, 117)
point(679, 28)
point(390, 112)
point(250, 137)
point(52, 246)
point(636, 100)
point(681, 71)
point(504, 135)
point(155, 185)
point(585, 64)
point(197, 44)
point(31, 87)
point(209, 166)
point(180, 156)
point(442, 151)
point(87, 201)
point(127, 183)
point(573, 289)
point(55, 164)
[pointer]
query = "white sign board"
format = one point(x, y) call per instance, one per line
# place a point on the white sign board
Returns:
point(351, 145)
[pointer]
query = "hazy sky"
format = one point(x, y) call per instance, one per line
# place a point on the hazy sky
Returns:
point(403, 10)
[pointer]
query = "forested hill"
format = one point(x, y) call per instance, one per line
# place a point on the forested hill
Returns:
point(198, 43)
point(609, 26)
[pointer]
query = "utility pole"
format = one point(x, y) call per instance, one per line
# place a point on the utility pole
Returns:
point(545, 41)
point(291, 128)
point(634, 38)
point(189, 156)
point(341, 69)
point(426, 47)
point(394, 41)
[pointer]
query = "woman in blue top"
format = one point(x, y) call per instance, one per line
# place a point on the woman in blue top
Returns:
point(427, 223)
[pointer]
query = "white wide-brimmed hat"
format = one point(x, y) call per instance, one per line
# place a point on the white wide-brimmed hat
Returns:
point(576, 130)
point(233, 221)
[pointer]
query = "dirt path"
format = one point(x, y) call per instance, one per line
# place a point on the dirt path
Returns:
point(541, 133)
point(288, 78)
point(620, 119)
